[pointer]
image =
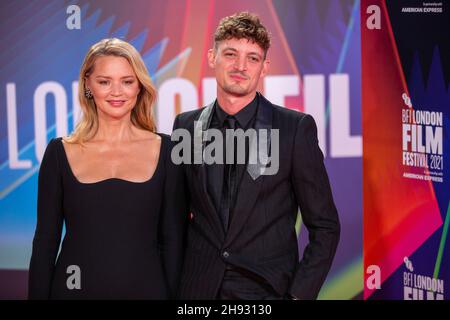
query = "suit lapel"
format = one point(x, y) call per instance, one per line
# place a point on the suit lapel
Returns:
point(263, 121)
point(199, 172)
point(251, 183)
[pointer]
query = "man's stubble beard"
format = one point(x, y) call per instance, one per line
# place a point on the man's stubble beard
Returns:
point(236, 90)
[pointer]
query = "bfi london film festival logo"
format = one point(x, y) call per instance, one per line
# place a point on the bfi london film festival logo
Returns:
point(422, 143)
point(420, 287)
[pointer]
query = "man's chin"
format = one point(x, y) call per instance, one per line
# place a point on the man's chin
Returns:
point(237, 91)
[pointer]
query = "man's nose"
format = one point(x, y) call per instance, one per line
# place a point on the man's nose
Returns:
point(241, 64)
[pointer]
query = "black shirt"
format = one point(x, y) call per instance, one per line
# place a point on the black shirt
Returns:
point(245, 119)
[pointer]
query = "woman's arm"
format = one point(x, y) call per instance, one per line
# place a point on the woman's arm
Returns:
point(172, 223)
point(49, 225)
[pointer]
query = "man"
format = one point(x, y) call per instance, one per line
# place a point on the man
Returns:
point(241, 240)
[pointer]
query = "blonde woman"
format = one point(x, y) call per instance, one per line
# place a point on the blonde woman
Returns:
point(113, 184)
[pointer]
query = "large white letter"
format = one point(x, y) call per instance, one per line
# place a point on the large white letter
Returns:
point(314, 98)
point(11, 112)
point(342, 143)
point(166, 101)
point(40, 123)
point(209, 90)
point(276, 88)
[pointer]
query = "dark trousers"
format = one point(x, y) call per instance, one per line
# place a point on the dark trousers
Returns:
point(240, 284)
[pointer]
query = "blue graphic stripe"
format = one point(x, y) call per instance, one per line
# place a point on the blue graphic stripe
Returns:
point(348, 35)
point(344, 50)
point(437, 266)
point(20, 42)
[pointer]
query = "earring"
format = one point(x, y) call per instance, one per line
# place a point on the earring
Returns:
point(88, 93)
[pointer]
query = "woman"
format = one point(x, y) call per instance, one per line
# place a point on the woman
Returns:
point(113, 184)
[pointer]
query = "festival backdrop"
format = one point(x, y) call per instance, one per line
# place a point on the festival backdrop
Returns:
point(406, 110)
point(315, 68)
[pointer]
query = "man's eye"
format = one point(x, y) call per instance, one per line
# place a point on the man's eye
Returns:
point(254, 59)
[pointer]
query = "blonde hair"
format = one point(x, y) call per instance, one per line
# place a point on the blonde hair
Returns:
point(141, 115)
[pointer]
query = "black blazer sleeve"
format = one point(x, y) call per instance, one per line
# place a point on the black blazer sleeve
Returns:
point(47, 236)
point(319, 214)
point(172, 222)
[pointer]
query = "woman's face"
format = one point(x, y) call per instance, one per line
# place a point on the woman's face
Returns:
point(114, 87)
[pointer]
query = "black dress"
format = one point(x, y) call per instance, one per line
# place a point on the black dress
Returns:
point(123, 239)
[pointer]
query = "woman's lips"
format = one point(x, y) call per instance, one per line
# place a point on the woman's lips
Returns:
point(116, 103)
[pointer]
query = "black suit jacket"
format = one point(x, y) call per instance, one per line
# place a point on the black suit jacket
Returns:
point(261, 236)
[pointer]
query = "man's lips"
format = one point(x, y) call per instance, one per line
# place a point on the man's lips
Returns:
point(238, 77)
point(116, 103)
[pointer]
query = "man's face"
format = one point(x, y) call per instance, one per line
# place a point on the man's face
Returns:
point(238, 65)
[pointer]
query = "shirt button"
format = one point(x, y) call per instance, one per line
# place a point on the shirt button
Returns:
point(225, 254)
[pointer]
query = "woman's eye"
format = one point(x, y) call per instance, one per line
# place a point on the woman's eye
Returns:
point(129, 82)
point(103, 82)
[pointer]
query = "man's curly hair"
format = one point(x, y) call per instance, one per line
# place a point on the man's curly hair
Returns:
point(243, 25)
